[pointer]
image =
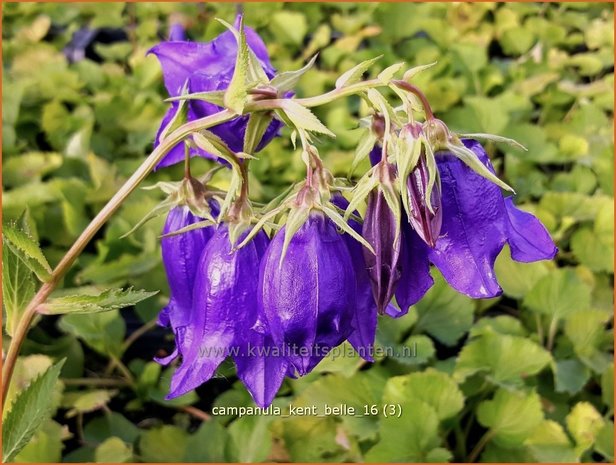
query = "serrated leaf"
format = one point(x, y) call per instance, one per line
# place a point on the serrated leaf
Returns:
point(28, 412)
point(355, 74)
point(111, 299)
point(303, 118)
point(17, 288)
point(27, 250)
point(288, 80)
point(255, 129)
point(254, 72)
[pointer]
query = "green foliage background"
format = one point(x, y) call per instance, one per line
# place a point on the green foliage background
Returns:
point(524, 377)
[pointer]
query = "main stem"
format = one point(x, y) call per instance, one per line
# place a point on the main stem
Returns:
point(109, 209)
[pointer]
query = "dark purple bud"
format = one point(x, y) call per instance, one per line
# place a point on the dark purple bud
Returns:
point(309, 297)
point(224, 308)
point(425, 219)
point(382, 230)
point(180, 258)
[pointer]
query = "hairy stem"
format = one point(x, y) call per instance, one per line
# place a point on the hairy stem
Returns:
point(109, 209)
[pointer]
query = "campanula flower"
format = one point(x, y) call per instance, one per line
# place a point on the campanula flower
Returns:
point(308, 297)
point(224, 308)
point(181, 258)
point(381, 229)
point(207, 67)
point(477, 222)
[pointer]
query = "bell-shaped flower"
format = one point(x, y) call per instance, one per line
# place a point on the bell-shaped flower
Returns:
point(205, 67)
point(308, 291)
point(224, 310)
point(477, 222)
point(381, 229)
point(181, 254)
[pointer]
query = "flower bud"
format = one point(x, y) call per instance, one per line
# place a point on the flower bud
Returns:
point(382, 230)
point(426, 213)
point(308, 298)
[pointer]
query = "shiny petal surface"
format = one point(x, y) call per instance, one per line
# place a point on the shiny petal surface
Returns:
point(309, 298)
point(224, 306)
point(365, 316)
point(527, 237)
point(181, 258)
point(416, 279)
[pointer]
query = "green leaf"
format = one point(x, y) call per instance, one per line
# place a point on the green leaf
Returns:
point(510, 416)
point(86, 401)
point(604, 443)
point(17, 288)
point(388, 73)
point(411, 437)
point(113, 450)
point(506, 360)
point(208, 444)
point(103, 332)
point(570, 376)
point(516, 278)
point(584, 424)
point(26, 249)
point(45, 446)
point(251, 439)
point(288, 80)
point(435, 388)
point(502, 324)
point(28, 412)
point(444, 313)
point(559, 294)
point(550, 443)
point(111, 299)
point(586, 331)
point(289, 27)
point(607, 387)
point(303, 118)
point(163, 444)
point(355, 74)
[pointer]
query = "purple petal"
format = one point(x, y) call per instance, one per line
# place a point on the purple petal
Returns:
point(416, 279)
point(365, 317)
point(527, 237)
point(224, 304)
point(472, 234)
point(309, 298)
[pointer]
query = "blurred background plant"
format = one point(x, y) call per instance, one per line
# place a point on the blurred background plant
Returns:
point(524, 377)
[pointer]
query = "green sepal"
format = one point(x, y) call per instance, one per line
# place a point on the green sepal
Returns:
point(255, 129)
point(412, 72)
point(160, 209)
point(288, 80)
point(237, 91)
point(260, 225)
point(495, 138)
point(302, 118)
point(217, 97)
point(407, 153)
point(297, 217)
point(355, 74)
point(392, 197)
point(333, 215)
point(364, 186)
point(210, 142)
point(180, 117)
point(190, 227)
point(363, 149)
point(433, 176)
point(474, 163)
point(388, 73)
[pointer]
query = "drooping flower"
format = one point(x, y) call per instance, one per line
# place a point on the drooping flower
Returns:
point(477, 222)
point(180, 258)
point(308, 297)
point(224, 313)
point(207, 67)
point(381, 229)
point(426, 214)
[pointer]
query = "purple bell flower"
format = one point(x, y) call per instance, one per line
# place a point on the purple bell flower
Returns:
point(426, 221)
point(309, 297)
point(382, 231)
point(208, 67)
point(477, 222)
point(180, 259)
point(224, 311)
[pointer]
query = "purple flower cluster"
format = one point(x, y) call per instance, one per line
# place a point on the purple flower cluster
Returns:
point(277, 306)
